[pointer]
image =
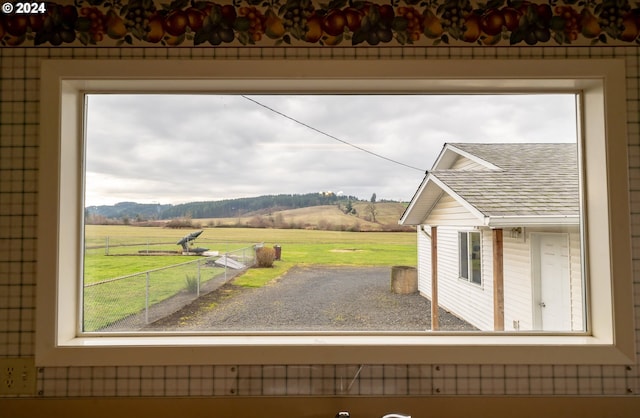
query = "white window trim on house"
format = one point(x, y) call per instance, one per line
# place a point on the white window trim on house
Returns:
point(610, 339)
point(467, 276)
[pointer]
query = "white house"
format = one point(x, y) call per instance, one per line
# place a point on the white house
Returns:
point(499, 236)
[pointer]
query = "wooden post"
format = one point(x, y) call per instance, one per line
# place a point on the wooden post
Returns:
point(498, 281)
point(434, 279)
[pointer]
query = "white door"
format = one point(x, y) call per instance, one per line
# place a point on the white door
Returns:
point(552, 290)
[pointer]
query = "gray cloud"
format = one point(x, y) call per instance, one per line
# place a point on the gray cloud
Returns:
point(173, 149)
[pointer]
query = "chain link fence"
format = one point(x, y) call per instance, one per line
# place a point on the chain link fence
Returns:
point(130, 302)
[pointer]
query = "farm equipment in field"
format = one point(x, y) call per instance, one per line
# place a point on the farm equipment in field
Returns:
point(187, 241)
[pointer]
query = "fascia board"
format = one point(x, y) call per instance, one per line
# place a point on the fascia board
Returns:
point(440, 158)
point(414, 199)
point(550, 220)
point(473, 158)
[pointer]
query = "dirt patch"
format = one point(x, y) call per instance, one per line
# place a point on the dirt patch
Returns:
point(200, 306)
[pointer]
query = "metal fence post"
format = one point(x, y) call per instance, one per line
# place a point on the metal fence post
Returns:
point(146, 303)
point(229, 272)
point(255, 255)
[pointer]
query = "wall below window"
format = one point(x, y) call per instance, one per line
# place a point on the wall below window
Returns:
point(375, 407)
point(418, 389)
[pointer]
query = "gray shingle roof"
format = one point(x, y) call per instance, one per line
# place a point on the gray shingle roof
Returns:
point(533, 180)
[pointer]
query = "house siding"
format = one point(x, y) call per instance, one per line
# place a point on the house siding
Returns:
point(518, 311)
point(468, 301)
point(475, 303)
point(464, 163)
point(449, 212)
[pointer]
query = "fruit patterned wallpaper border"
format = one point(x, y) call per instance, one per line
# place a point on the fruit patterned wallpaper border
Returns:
point(317, 23)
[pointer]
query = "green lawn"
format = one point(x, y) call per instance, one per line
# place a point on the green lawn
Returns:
point(111, 301)
point(107, 303)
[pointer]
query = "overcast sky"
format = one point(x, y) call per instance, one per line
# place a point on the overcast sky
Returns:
point(175, 149)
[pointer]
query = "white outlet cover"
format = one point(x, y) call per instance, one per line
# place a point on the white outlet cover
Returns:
point(17, 376)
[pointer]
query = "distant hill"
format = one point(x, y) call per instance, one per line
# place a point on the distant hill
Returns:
point(215, 209)
point(325, 217)
point(130, 210)
point(243, 206)
point(311, 210)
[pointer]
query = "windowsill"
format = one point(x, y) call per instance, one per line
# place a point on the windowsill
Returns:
point(507, 348)
point(470, 283)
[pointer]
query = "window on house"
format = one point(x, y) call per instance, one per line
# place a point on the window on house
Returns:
point(470, 257)
point(60, 334)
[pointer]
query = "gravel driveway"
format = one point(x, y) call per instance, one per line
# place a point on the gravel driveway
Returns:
point(312, 298)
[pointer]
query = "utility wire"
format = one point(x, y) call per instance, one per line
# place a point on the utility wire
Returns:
point(331, 136)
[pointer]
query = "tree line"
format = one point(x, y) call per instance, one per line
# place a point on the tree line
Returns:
point(228, 208)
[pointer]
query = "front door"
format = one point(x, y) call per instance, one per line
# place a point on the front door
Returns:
point(552, 287)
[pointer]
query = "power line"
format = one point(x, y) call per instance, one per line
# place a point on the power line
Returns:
point(331, 136)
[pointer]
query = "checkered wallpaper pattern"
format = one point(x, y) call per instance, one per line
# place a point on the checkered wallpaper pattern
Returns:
point(19, 155)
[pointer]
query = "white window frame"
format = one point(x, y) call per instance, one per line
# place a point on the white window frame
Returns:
point(610, 336)
point(469, 272)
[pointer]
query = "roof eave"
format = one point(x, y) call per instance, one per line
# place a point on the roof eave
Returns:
point(409, 209)
point(538, 220)
point(416, 215)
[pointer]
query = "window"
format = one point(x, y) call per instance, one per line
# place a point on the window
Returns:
point(600, 85)
point(141, 196)
point(470, 257)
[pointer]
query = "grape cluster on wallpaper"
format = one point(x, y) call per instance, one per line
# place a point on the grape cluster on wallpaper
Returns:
point(318, 23)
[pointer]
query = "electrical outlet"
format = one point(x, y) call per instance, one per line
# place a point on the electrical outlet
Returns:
point(17, 376)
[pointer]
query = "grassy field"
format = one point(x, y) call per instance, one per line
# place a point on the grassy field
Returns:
point(111, 301)
point(299, 247)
